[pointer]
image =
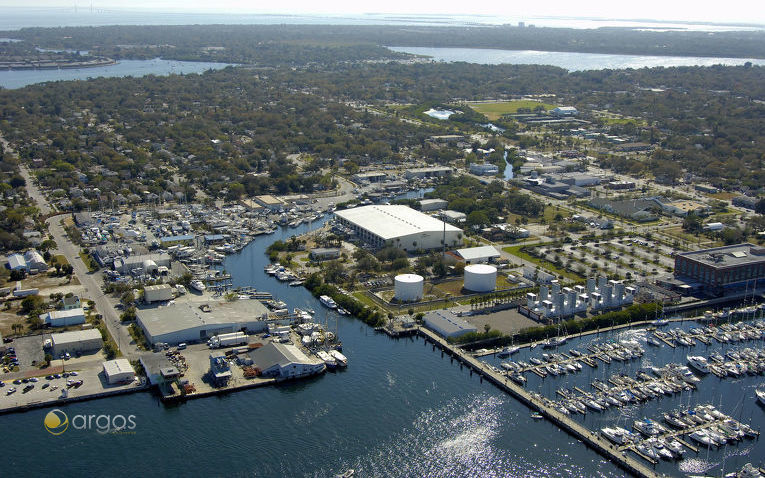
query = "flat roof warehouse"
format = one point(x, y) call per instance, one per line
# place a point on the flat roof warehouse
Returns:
point(198, 320)
point(390, 222)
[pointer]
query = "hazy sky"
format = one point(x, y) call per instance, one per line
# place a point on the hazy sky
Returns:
point(750, 11)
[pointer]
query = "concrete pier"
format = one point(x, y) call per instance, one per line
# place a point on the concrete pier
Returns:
point(538, 404)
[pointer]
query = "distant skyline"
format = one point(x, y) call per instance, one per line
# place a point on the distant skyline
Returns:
point(732, 11)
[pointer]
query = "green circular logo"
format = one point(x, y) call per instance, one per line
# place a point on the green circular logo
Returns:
point(56, 422)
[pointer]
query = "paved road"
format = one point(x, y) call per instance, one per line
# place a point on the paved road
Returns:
point(32, 189)
point(92, 284)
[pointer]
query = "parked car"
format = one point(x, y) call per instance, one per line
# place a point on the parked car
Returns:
point(10, 391)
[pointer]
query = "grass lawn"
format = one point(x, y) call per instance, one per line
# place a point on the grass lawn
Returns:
point(723, 196)
point(516, 251)
point(494, 111)
point(60, 259)
point(621, 121)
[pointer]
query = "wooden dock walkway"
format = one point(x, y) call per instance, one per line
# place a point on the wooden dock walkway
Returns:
point(543, 406)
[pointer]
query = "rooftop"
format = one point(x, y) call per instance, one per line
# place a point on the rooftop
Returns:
point(117, 366)
point(447, 322)
point(189, 314)
point(473, 253)
point(75, 336)
point(275, 353)
point(726, 256)
point(390, 222)
point(269, 200)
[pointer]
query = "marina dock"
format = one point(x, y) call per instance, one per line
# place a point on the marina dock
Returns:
point(539, 404)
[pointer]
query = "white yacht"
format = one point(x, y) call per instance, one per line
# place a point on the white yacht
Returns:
point(198, 285)
point(327, 359)
point(507, 351)
point(342, 360)
point(618, 435)
point(648, 427)
point(760, 395)
point(699, 363)
point(327, 301)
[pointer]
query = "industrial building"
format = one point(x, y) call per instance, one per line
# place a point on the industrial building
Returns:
point(484, 169)
point(427, 205)
point(157, 293)
point(598, 294)
point(453, 217)
point(285, 361)
point(76, 342)
point(371, 177)
point(147, 263)
point(270, 202)
point(564, 111)
point(478, 255)
point(431, 172)
point(118, 371)
point(192, 321)
point(398, 226)
point(62, 318)
point(722, 267)
point(446, 324)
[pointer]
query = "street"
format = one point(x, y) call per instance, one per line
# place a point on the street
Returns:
point(92, 284)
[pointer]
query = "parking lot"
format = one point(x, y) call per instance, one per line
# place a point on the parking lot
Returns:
point(638, 257)
point(28, 349)
point(47, 390)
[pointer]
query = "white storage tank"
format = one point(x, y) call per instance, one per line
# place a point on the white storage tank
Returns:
point(409, 287)
point(480, 278)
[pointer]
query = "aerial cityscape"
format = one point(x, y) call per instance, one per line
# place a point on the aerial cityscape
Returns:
point(416, 242)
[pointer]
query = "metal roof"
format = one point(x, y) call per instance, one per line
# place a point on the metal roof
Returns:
point(17, 261)
point(75, 336)
point(188, 315)
point(482, 252)
point(389, 222)
point(282, 354)
point(117, 366)
point(446, 323)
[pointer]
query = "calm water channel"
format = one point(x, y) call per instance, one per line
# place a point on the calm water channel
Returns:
point(568, 60)
point(21, 78)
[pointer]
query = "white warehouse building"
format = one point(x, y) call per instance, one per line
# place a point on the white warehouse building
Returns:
point(118, 371)
point(446, 324)
point(78, 341)
point(199, 320)
point(399, 226)
point(61, 318)
point(284, 361)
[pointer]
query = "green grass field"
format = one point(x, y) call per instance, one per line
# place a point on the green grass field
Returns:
point(494, 111)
